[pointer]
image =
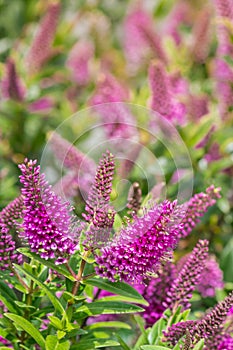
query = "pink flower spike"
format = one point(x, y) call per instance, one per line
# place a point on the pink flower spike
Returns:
point(47, 224)
point(78, 62)
point(11, 85)
point(41, 48)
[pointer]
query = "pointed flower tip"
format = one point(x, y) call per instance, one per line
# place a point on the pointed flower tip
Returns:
point(47, 224)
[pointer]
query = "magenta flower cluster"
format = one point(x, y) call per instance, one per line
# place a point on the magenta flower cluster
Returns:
point(47, 224)
point(196, 207)
point(8, 254)
point(140, 246)
point(99, 213)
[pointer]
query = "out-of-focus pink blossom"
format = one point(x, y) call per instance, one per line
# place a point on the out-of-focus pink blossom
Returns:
point(140, 38)
point(163, 99)
point(116, 117)
point(12, 86)
point(197, 106)
point(42, 105)
point(78, 62)
point(41, 47)
point(213, 153)
point(178, 16)
point(202, 36)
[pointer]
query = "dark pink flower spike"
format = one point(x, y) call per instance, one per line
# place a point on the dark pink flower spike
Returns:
point(47, 224)
point(11, 85)
point(41, 48)
point(139, 248)
point(99, 213)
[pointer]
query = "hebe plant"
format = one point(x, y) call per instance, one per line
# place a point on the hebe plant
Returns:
point(81, 274)
point(51, 287)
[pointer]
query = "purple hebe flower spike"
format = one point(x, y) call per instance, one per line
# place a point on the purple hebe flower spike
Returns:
point(98, 211)
point(189, 276)
point(202, 36)
point(211, 276)
point(11, 85)
point(12, 212)
point(163, 99)
point(196, 207)
point(117, 119)
point(70, 156)
point(78, 62)
point(223, 72)
point(139, 248)
point(82, 167)
point(47, 225)
point(40, 50)
point(227, 343)
point(177, 331)
point(8, 254)
point(178, 16)
point(141, 40)
point(210, 327)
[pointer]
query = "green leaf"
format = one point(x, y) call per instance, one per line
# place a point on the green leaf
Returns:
point(141, 324)
point(117, 222)
point(154, 347)
point(9, 291)
point(194, 133)
point(199, 345)
point(226, 261)
point(105, 308)
point(48, 263)
point(3, 348)
point(119, 288)
point(123, 298)
point(110, 324)
point(156, 331)
point(23, 305)
point(122, 343)
point(56, 322)
point(60, 334)
point(142, 340)
point(54, 300)
point(27, 327)
point(90, 344)
point(52, 343)
point(8, 297)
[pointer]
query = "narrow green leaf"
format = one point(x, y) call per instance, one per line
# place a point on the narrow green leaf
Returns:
point(8, 297)
point(122, 343)
point(142, 340)
point(27, 327)
point(105, 308)
point(117, 222)
point(156, 331)
point(56, 322)
point(9, 291)
point(141, 324)
point(124, 298)
point(54, 300)
point(23, 305)
point(3, 348)
point(48, 263)
point(52, 343)
point(91, 344)
point(199, 345)
point(119, 288)
point(110, 324)
point(9, 304)
point(154, 347)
